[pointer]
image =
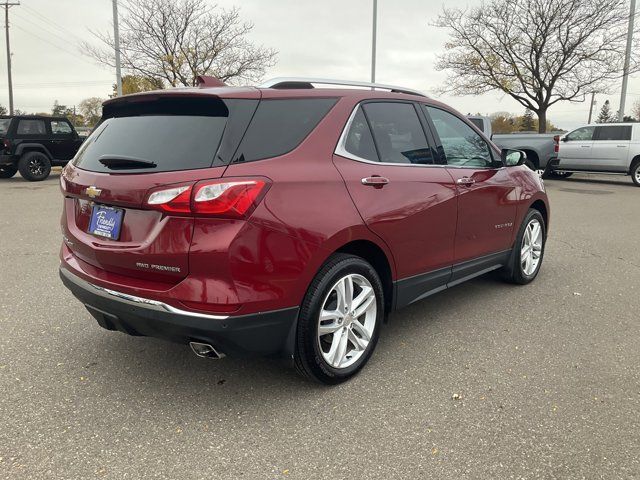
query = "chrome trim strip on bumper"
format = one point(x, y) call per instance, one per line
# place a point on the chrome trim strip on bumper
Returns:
point(139, 301)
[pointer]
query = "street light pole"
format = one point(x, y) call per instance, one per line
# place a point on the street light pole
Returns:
point(593, 99)
point(6, 28)
point(373, 41)
point(625, 76)
point(116, 39)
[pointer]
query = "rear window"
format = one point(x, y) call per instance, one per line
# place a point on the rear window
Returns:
point(279, 126)
point(4, 125)
point(160, 136)
point(613, 132)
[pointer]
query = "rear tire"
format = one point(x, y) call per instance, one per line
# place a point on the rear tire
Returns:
point(635, 173)
point(335, 347)
point(34, 166)
point(528, 250)
point(7, 172)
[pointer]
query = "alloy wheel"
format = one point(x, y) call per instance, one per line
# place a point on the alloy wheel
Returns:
point(531, 249)
point(347, 321)
point(36, 167)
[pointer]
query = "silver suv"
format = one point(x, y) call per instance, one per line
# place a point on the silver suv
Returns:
point(612, 148)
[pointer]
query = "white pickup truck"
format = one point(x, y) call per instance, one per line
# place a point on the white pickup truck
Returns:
point(611, 148)
point(540, 148)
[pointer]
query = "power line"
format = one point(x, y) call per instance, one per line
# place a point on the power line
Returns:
point(50, 22)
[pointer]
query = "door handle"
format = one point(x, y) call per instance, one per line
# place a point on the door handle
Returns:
point(622, 146)
point(585, 146)
point(375, 181)
point(465, 181)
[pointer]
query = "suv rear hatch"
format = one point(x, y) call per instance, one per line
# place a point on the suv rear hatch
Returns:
point(144, 144)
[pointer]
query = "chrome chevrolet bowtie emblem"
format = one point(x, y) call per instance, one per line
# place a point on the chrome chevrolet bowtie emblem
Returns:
point(92, 191)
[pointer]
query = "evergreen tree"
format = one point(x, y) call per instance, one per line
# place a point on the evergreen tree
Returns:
point(605, 115)
point(527, 123)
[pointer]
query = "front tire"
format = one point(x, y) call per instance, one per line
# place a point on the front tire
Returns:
point(635, 174)
point(528, 250)
point(7, 172)
point(34, 166)
point(339, 321)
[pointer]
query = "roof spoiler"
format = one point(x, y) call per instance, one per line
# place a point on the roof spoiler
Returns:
point(207, 81)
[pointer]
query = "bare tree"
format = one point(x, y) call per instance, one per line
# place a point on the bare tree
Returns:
point(635, 110)
point(177, 40)
point(91, 109)
point(539, 52)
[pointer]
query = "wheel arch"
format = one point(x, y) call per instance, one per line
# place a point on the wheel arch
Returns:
point(634, 161)
point(376, 256)
point(541, 207)
point(25, 148)
point(532, 155)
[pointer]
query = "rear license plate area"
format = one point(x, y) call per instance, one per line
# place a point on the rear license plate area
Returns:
point(106, 222)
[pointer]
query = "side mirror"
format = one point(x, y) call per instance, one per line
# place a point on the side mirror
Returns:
point(513, 158)
point(565, 139)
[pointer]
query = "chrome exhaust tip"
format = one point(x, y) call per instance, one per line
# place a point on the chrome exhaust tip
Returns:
point(205, 350)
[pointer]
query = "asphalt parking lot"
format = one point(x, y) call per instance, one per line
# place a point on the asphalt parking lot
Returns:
point(486, 380)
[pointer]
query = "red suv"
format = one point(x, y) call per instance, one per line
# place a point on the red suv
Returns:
point(288, 220)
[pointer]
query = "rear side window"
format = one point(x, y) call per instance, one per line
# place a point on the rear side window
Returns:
point(158, 136)
point(359, 141)
point(31, 127)
point(280, 125)
point(613, 132)
point(398, 133)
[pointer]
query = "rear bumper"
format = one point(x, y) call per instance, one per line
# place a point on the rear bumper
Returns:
point(264, 334)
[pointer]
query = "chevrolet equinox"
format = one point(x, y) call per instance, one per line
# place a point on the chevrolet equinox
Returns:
point(288, 219)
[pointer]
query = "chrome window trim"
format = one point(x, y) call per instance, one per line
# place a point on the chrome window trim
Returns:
point(342, 151)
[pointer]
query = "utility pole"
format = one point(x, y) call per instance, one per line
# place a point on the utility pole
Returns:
point(625, 76)
point(116, 38)
point(373, 41)
point(7, 4)
point(593, 99)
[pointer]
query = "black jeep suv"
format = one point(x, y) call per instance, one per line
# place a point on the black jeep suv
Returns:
point(32, 144)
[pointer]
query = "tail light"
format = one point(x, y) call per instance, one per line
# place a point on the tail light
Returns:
point(229, 198)
point(6, 143)
point(556, 143)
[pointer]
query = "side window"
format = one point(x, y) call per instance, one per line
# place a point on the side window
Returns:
point(279, 126)
point(398, 133)
point(462, 145)
point(359, 141)
point(583, 134)
point(60, 127)
point(31, 127)
point(613, 132)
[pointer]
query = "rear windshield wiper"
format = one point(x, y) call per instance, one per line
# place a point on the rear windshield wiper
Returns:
point(117, 162)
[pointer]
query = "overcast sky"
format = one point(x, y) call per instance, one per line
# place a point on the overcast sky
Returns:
point(328, 38)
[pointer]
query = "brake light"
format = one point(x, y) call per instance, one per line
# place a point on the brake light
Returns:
point(556, 143)
point(218, 198)
point(228, 199)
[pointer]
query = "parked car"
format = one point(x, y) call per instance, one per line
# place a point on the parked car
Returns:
point(540, 148)
point(612, 148)
point(287, 220)
point(32, 144)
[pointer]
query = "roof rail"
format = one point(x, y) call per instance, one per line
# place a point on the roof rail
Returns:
point(301, 82)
